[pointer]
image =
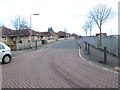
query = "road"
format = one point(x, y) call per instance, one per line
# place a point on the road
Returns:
point(58, 66)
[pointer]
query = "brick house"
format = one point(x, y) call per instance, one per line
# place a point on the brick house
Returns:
point(102, 35)
point(5, 35)
point(61, 34)
point(75, 36)
point(12, 37)
point(48, 35)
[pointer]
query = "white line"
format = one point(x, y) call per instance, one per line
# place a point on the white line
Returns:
point(95, 64)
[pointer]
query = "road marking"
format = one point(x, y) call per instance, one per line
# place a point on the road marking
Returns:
point(95, 64)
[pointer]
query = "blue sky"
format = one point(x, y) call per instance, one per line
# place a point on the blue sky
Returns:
point(70, 14)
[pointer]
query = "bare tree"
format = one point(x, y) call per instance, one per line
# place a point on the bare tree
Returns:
point(90, 24)
point(100, 14)
point(85, 27)
point(19, 23)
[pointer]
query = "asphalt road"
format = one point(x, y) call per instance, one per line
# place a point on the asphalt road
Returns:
point(57, 66)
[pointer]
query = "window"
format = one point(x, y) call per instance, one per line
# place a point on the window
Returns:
point(4, 38)
point(2, 47)
point(21, 39)
point(14, 39)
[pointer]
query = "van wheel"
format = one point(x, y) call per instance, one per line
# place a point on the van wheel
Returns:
point(6, 59)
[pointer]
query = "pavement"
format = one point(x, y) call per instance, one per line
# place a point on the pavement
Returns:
point(97, 56)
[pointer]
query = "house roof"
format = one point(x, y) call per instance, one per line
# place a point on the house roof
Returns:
point(61, 33)
point(97, 34)
point(24, 32)
point(47, 33)
point(5, 31)
point(10, 32)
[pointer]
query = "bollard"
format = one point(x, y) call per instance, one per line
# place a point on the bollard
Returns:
point(88, 49)
point(105, 55)
point(80, 46)
point(36, 45)
point(85, 45)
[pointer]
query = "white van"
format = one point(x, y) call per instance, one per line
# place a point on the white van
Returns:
point(5, 53)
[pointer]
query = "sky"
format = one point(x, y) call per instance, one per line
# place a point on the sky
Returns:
point(58, 14)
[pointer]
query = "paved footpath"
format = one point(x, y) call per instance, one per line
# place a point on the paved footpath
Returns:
point(96, 55)
point(56, 67)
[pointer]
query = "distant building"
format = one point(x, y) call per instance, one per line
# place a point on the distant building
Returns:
point(75, 36)
point(102, 35)
point(115, 36)
point(61, 34)
point(48, 35)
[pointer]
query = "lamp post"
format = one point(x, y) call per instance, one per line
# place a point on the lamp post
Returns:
point(31, 19)
point(65, 33)
point(31, 27)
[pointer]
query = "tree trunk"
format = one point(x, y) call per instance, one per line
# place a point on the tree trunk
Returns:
point(90, 33)
point(86, 33)
point(100, 37)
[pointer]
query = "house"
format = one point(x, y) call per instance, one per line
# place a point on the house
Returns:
point(61, 34)
point(48, 35)
point(4, 35)
point(67, 35)
point(102, 35)
point(26, 35)
point(18, 36)
point(12, 37)
point(75, 36)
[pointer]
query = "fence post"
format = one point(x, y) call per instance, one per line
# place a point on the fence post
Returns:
point(88, 49)
point(17, 46)
point(85, 45)
point(36, 44)
point(109, 45)
point(105, 55)
point(117, 46)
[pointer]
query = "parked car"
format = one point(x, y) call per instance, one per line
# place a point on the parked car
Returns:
point(5, 53)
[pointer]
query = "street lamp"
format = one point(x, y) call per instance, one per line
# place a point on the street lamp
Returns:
point(65, 32)
point(31, 27)
point(31, 19)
